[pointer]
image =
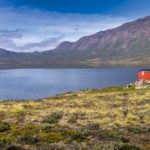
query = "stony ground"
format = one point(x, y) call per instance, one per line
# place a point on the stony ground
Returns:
point(108, 119)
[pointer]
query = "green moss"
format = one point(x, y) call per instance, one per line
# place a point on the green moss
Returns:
point(51, 137)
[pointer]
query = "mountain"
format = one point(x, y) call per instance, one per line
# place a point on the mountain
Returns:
point(126, 45)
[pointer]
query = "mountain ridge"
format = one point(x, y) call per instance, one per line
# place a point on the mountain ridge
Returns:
point(126, 45)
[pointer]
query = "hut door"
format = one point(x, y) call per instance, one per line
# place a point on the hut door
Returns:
point(143, 74)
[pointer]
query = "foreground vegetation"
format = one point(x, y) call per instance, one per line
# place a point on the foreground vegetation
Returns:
point(114, 118)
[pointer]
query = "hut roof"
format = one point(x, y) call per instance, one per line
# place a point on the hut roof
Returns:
point(146, 70)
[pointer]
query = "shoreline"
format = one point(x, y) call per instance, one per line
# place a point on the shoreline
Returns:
point(64, 93)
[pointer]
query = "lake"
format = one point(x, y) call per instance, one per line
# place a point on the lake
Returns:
point(39, 83)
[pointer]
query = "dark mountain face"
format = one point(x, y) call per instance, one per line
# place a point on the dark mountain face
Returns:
point(5, 53)
point(128, 44)
point(128, 39)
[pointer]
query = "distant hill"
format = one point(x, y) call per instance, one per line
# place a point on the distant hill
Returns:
point(126, 45)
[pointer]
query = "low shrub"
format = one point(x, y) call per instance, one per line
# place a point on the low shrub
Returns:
point(78, 136)
point(92, 126)
point(13, 147)
point(3, 143)
point(53, 117)
point(138, 129)
point(29, 139)
point(128, 147)
point(125, 139)
point(4, 126)
point(72, 120)
point(104, 146)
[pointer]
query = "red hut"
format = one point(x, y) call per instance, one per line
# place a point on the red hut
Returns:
point(144, 74)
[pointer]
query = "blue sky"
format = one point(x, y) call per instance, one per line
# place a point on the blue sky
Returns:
point(37, 25)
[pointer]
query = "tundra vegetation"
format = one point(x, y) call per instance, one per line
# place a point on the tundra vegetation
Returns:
point(115, 118)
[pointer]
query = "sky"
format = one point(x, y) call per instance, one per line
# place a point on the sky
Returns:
point(38, 25)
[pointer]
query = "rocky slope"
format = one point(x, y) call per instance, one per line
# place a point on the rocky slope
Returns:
point(131, 41)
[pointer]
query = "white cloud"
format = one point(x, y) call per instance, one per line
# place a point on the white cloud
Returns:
point(45, 44)
point(10, 33)
point(41, 30)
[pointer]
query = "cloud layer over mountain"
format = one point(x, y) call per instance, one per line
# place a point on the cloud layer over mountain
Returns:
point(26, 29)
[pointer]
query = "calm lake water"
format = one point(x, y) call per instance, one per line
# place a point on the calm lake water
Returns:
point(38, 83)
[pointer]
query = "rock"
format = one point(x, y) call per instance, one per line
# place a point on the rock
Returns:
point(141, 84)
